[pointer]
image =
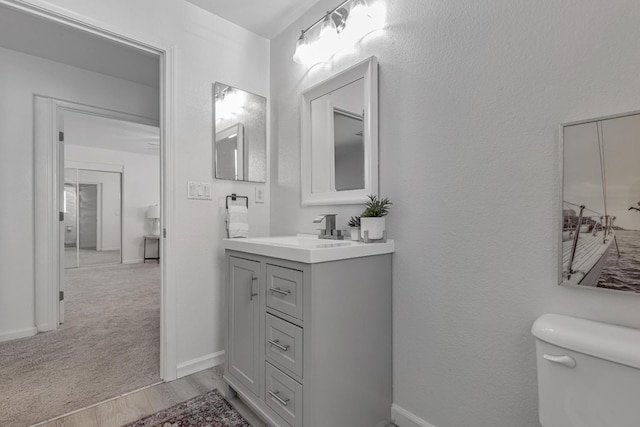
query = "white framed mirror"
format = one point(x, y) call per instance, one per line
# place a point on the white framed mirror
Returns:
point(339, 151)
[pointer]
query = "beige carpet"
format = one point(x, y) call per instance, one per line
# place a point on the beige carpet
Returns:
point(89, 257)
point(109, 345)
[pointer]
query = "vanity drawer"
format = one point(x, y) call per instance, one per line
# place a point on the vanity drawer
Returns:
point(284, 344)
point(284, 396)
point(284, 290)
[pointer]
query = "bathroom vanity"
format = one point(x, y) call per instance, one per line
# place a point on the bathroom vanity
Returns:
point(309, 330)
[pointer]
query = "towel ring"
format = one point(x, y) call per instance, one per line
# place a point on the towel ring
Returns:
point(235, 197)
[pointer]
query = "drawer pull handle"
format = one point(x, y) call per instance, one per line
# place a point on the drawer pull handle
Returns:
point(273, 394)
point(280, 291)
point(276, 343)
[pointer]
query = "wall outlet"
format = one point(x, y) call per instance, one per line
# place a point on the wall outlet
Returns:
point(199, 190)
point(259, 194)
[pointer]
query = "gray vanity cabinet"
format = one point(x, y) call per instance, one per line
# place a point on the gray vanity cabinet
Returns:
point(309, 345)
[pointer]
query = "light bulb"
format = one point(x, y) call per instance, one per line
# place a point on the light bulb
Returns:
point(328, 41)
point(302, 55)
point(358, 6)
point(359, 23)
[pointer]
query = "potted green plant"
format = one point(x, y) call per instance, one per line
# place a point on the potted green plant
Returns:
point(354, 224)
point(372, 220)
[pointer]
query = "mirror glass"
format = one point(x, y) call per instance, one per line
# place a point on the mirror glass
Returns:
point(92, 217)
point(600, 231)
point(240, 130)
point(340, 137)
point(337, 139)
point(349, 150)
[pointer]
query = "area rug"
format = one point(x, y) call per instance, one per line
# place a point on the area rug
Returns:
point(208, 410)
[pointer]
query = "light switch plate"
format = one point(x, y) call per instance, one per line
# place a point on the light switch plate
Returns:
point(199, 190)
point(259, 194)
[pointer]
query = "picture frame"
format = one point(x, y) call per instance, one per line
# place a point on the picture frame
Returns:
point(599, 234)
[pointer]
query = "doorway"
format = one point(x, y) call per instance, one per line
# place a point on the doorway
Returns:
point(107, 340)
point(44, 269)
point(41, 311)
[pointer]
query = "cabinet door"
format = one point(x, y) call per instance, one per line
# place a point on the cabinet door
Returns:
point(244, 322)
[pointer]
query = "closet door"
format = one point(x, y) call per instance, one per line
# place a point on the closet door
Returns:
point(99, 217)
point(70, 224)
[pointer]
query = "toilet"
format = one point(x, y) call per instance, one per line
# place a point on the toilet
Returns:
point(588, 373)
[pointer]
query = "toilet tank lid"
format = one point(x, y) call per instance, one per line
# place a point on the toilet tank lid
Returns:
point(609, 342)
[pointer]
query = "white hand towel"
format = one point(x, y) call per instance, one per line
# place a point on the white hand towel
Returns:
point(237, 221)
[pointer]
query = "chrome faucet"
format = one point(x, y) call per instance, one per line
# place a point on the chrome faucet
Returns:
point(329, 232)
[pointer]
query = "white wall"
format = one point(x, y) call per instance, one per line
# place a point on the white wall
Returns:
point(206, 49)
point(471, 96)
point(22, 76)
point(141, 188)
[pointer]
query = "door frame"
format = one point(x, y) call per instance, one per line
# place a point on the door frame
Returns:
point(47, 256)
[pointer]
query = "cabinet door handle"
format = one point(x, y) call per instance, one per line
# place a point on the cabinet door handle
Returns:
point(280, 291)
point(274, 394)
point(276, 343)
point(251, 293)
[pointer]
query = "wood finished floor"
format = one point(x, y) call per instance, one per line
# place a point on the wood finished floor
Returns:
point(133, 406)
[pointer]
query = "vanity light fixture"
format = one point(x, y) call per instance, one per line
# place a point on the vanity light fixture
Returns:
point(340, 28)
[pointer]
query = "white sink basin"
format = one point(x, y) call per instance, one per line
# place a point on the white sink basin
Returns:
point(308, 248)
point(302, 242)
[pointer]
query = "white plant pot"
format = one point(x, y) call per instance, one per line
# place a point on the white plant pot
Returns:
point(355, 233)
point(375, 227)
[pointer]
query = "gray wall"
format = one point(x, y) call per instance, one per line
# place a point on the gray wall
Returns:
point(471, 96)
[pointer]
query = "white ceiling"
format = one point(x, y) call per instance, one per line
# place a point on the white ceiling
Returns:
point(265, 18)
point(60, 43)
point(110, 134)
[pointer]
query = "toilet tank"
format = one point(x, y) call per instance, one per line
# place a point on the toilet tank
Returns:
point(588, 373)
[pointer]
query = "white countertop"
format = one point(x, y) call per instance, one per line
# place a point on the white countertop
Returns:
point(308, 248)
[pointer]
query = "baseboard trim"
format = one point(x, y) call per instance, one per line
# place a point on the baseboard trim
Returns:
point(132, 261)
point(45, 327)
point(200, 363)
point(404, 418)
point(21, 333)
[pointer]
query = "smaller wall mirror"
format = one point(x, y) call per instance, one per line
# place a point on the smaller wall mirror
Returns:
point(240, 134)
point(340, 137)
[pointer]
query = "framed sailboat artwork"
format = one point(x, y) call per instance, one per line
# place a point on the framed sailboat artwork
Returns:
point(600, 230)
